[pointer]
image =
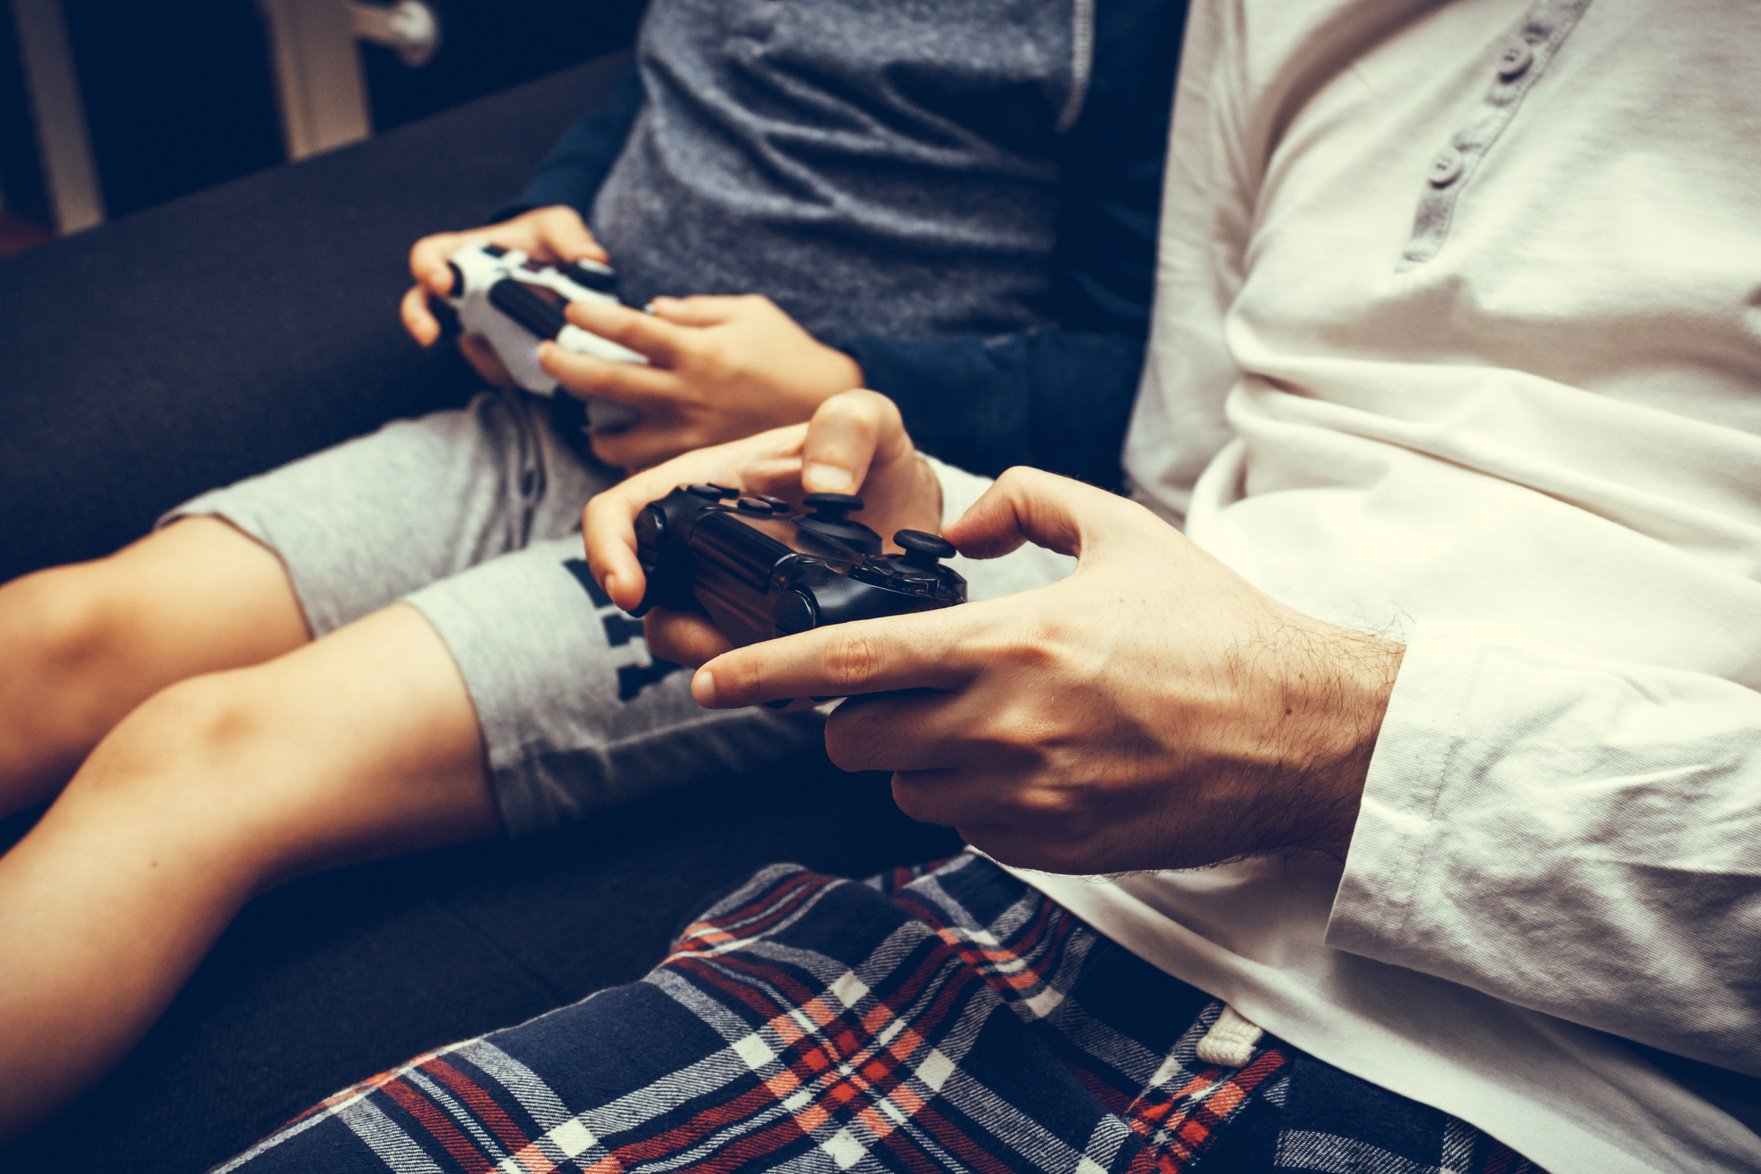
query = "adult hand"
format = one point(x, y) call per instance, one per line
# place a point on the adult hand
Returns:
point(719, 368)
point(1153, 710)
point(556, 234)
point(855, 441)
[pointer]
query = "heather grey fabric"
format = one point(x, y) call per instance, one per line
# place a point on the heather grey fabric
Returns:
point(473, 518)
point(889, 167)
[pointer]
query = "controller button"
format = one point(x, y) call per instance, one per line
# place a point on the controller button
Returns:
point(754, 505)
point(495, 250)
point(795, 612)
point(775, 503)
point(706, 492)
point(723, 489)
point(832, 506)
point(922, 549)
point(533, 266)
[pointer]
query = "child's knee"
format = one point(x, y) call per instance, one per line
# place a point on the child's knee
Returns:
point(189, 754)
point(63, 625)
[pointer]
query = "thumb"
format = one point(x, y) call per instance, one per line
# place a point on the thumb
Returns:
point(698, 310)
point(564, 235)
point(1030, 505)
point(850, 434)
point(428, 260)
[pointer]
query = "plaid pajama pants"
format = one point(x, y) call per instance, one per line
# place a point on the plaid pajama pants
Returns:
point(935, 1019)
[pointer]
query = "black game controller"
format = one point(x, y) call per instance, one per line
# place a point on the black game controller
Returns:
point(759, 570)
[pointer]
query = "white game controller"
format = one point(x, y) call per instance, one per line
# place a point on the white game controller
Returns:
point(513, 303)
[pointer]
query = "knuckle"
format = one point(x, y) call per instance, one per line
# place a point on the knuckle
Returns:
point(600, 513)
point(611, 448)
point(748, 676)
point(851, 659)
point(1040, 803)
point(844, 743)
point(1016, 478)
point(712, 362)
point(869, 408)
point(886, 412)
point(913, 797)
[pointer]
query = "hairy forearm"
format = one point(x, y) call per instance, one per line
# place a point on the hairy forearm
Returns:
point(1328, 693)
point(1311, 706)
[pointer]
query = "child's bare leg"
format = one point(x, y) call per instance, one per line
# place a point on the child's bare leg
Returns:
point(82, 645)
point(359, 745)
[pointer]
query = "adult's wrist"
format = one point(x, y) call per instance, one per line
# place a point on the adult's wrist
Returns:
point(1366, 666)
point(1325, 702)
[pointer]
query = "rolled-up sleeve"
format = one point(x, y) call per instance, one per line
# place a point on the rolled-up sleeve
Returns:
point(1579, 837)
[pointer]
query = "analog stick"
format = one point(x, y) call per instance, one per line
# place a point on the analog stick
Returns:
point(922, 549)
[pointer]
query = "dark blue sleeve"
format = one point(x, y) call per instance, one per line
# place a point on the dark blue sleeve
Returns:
point(576, 167)
point(1053, 398)
point(1060, 396)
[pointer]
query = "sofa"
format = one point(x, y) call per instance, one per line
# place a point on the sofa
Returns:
point(207, 339)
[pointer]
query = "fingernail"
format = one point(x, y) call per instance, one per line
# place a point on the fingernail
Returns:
point(703, 688)
point(827, 479)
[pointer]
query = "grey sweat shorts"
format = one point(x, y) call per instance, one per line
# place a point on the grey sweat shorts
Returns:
point(473, 517)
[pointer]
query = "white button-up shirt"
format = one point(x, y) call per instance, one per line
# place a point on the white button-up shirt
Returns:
point(1458, 337)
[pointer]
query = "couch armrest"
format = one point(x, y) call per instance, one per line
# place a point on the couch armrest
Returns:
point(233, 330)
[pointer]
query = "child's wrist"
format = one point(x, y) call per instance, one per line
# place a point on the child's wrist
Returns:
point(842, 372)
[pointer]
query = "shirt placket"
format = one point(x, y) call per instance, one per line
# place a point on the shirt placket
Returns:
point(1520, 64)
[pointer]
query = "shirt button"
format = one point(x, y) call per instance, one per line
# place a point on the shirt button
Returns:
point(1515, 60)
point(1446, 168)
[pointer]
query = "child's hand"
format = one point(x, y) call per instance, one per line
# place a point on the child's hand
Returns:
point(556, 233)
point(855, 442)
point(720, 368)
